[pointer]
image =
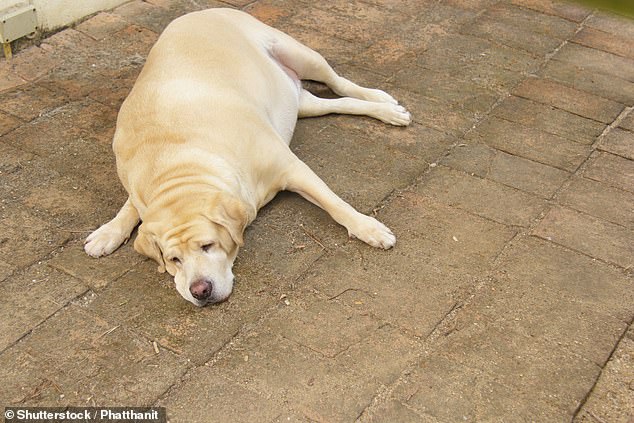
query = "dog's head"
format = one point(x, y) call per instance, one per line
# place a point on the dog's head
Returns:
point(197, 244)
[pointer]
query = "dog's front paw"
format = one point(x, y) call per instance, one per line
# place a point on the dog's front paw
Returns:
point(373, 232)
point(103, 241)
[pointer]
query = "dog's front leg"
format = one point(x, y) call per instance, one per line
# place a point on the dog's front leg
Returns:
point(111, 235)
point(302, 180)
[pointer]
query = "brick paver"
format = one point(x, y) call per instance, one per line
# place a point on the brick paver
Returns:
point(508, 297)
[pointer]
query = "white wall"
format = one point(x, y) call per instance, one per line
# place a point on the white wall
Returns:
point(4, 4)
point(52, 14)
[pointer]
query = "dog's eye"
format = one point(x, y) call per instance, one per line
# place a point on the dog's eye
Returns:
point(175, 260)
point(207, 247)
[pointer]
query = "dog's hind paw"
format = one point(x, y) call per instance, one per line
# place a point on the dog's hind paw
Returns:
point(373, 232)
point(393, 114)
point(377, 96)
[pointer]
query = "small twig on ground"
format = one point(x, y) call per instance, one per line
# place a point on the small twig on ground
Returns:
point(108, 332)
point(594, 416)
point(313, 237)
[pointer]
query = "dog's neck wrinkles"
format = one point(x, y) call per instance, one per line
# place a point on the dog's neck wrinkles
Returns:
point(194, 194)
point(205, 176)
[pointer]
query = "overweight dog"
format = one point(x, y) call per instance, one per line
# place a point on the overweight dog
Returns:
point(202, 143)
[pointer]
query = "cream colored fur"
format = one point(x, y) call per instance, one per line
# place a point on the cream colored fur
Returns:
point(202, 144)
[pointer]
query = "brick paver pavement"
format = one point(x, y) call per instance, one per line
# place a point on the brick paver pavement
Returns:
point(509, 295)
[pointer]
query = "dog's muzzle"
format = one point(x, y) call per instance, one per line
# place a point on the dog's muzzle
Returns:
point(201, 290)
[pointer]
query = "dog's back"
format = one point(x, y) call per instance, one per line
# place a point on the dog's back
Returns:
point(209, 83)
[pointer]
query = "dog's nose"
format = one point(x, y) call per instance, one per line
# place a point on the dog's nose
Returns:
point(201, 289)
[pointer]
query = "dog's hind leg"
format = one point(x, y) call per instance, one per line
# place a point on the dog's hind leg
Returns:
point(111, 235)
point(394, 114)
point(308, 64)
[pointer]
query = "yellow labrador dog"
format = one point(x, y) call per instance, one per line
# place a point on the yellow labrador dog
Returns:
point(202, 143)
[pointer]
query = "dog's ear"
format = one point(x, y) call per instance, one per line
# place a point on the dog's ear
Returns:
point(231, 214)
point(145, 243)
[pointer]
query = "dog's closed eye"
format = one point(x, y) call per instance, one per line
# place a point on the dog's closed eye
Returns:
point(207, 246)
